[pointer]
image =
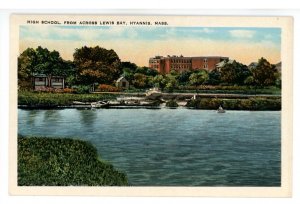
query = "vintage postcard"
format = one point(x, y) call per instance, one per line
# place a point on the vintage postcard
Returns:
point(151, 105)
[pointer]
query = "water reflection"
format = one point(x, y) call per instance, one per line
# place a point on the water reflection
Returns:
point(88, 117)
point(51, 116)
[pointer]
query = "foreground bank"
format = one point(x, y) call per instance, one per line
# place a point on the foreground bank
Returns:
point(63, 162)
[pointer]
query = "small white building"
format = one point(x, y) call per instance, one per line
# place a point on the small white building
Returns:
point(41, 82)
point(122, 83)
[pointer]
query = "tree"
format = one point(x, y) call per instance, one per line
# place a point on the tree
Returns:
point(27, 62)
point(41, 61)
point(146, 71)
point(183, 77)
point(160, 81)
point(234, 73)
point(214, 77)
point(96, 64)
point(264, 73)
point(171, 82)
point(198, 78)
point(140, 81)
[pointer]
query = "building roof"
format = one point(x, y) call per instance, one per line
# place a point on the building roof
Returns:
point(181, 56)
point(223, 63)
point(121, 78)
point(44, 75)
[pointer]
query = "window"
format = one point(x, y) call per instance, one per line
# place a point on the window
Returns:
point(56, 80)
point(123, 84)
point(40, 79)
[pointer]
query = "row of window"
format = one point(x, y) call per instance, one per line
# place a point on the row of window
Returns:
point(180, 66)
point(181, 61)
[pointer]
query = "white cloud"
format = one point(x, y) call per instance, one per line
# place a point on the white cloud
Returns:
point(248, 34)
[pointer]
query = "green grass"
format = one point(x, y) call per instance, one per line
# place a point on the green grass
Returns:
point(58, 99)
point(236, 104)
point(231, 90)
point(63, 162)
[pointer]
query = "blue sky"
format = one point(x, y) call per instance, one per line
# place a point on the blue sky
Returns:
point(160, 40)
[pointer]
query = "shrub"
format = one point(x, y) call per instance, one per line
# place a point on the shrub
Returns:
point(68, 90)
point(41, 99)
point(194, 103)
point(107, 88)
point(81, 89)
point(172, 104)
point(63, 162)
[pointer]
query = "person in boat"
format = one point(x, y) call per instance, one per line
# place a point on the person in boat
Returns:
point(220, 109)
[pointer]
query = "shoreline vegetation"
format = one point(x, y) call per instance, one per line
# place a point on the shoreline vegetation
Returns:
point(97, 74)
point(208, 101)
point(63, 162)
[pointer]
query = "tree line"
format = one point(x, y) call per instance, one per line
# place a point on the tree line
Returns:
point(96, 65)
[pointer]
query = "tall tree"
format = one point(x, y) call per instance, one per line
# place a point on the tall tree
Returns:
point(198, 78)
point(264, 73)
point(41, 61)
point(234, 73)
point(183, 77)
point(27, 62)
point(96, 64)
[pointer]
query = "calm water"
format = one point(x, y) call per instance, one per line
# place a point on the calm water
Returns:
point(167, 147)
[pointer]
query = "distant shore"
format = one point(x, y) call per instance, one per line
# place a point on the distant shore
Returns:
point(209, 101)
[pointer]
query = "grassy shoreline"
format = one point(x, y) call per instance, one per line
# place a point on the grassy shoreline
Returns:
point(63, 162)
point(32, 100)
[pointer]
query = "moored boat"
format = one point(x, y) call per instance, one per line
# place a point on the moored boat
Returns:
point(100, 104)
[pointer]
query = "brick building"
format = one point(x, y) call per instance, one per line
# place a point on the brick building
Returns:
point(180, 63)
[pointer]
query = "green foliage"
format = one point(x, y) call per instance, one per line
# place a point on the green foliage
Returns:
point(265, 74)
point(40, 99)
point(140, 80)
point(214, 77)
point(234, 73)
point(236, 104)
point(160, 81)
point(194, 103)
point(171, 82)
point(198, 78)
point(172, 104)
point(183, 77)
point(81, 89)
point(63, 162)
point(41, 61)
point(96, 64)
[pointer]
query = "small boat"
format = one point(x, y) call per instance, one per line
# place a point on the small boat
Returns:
point(100, 104)
point(220, 110)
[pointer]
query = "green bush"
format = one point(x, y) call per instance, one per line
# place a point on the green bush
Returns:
point(81, 89)
point(236, 104)
point(172, 104)
point(39, 99)
point(194, 103)
point(63, 162)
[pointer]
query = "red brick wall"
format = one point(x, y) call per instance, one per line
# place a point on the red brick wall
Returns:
point(208, 63)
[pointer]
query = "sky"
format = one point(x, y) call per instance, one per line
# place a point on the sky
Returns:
point(138, 44)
